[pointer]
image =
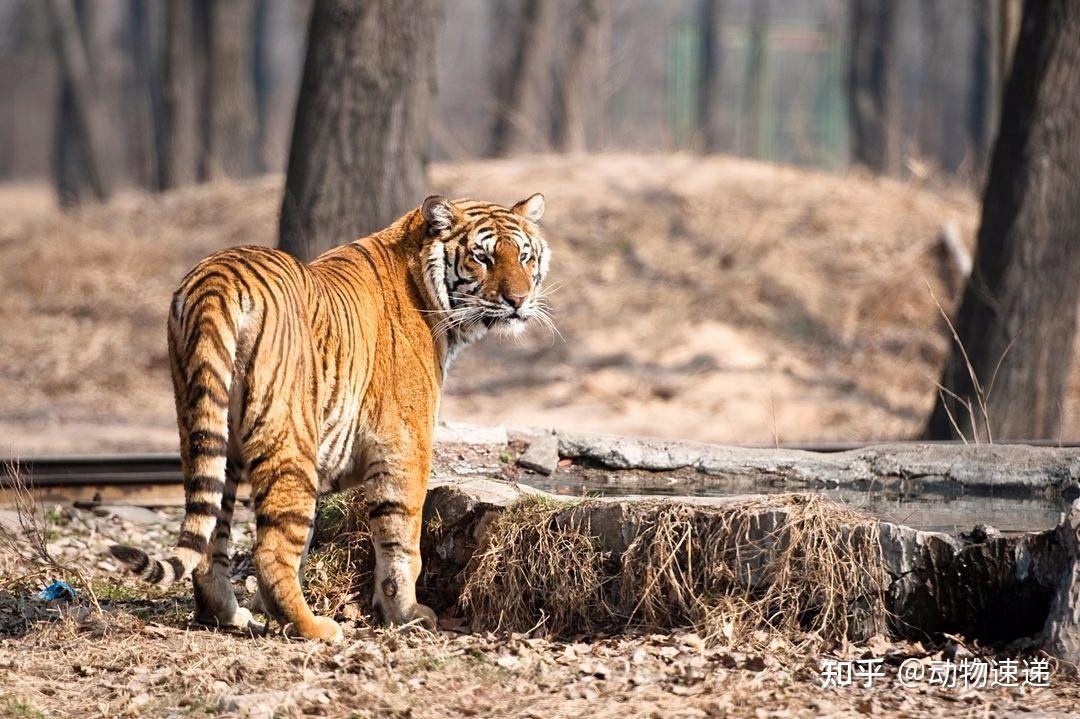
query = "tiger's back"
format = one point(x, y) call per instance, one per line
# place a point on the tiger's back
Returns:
point(305, 379)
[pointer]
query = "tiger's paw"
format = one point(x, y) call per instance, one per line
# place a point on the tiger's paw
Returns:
point(240, 619)
point(323, 629)
point(418, 616)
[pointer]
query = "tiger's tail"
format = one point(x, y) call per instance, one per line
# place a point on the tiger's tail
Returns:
point(204, 332)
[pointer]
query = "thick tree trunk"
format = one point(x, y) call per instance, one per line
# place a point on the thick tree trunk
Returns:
point(179, 114)
point(80, 123)
point(516, 107)
point(358, 155)
point(230, 121)
point(872, 85)
point(1017, 320)
point(573, 91)
point(982, 103)
point(711, 22)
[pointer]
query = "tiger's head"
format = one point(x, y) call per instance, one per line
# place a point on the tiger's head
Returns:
point(484, 265)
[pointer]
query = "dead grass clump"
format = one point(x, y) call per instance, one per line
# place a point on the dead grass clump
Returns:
point(540, 565)
point(796, 565)
point(341, 561)
point(789, 564)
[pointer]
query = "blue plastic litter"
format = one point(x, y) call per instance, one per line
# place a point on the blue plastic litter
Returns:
point(57, 590)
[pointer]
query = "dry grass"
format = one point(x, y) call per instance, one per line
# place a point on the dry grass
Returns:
point(540, 566)
point(340, 566)
point(794, 565)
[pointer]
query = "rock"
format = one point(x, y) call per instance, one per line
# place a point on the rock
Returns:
point(997, 588)
point(1061, 634)
point(542, 454)
point(910, 466)
point(130, 513)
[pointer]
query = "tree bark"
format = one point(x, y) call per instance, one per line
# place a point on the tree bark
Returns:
point(711, 22)
point(873, 86)
point(516, 113)
point(1017, 320)
point(230, 121)
point(573, 90)
point(179, 115)
point(78, 168)
point(359, 146)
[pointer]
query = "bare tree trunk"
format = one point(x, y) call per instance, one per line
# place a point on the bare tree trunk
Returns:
point(515, 114)
point(359, 145)
point(80, 122)
point(711, 22)
point(179, 115)
point(982, 104)
point(230, 122)
point(872, 85)
point(1017, 321)
point(931, 128)
point(143, 112)
point(754, 87)
point(572, 91)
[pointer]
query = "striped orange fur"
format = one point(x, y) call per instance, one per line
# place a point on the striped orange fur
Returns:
point(305, 379)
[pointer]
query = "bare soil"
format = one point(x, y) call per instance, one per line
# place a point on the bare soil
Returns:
point(716, 299)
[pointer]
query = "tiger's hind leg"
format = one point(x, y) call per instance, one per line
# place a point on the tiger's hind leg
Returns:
point(284, 487)
point(215, 600)
point(394, 496)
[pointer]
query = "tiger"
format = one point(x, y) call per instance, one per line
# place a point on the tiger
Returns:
point(305, 379)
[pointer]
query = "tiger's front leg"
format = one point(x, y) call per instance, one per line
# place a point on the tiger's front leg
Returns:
point(394, 493)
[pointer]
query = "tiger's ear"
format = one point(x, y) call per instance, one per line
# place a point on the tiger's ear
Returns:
point(439, 214)
point(531, 208)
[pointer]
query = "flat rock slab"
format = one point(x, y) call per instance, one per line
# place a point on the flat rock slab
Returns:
point(999, 466)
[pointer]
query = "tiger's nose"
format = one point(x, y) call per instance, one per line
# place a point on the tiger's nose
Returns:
point(514, 299)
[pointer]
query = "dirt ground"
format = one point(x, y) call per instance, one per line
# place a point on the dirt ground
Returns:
point(139, 656)
point(717, 299)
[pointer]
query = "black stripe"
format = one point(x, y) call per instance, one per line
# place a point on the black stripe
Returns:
point(205, 509)
point(205, 483)
point(387, 507)
point(156, 574)
point(177, 567)
point(295, 519)
point(192, 541)
point(207, 443)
